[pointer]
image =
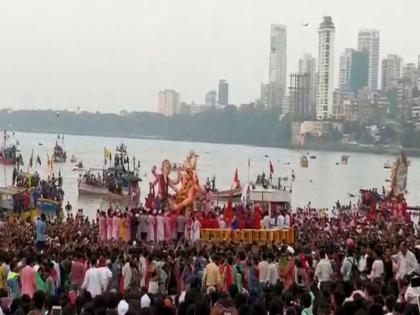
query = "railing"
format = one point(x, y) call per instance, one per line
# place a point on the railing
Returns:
point(249, 235)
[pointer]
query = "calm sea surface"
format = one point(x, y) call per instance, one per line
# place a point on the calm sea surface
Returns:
point(322, 183)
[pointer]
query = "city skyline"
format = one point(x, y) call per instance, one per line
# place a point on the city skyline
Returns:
point(106, 56)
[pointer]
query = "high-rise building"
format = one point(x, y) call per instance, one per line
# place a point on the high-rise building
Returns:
point(223, 93)
point(391, 72)
point(168, 101)
point(409, 73)
point(325, 83)
point(211, 98)
point(307, 64)
point(344, 73)
point(300, 91)
point(278, 60)
point(369, 40)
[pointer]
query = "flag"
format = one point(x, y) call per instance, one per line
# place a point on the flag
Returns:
point(236, 180)
point(38, 160)
point(107, 154)
point(31, 160)
point(271, 168)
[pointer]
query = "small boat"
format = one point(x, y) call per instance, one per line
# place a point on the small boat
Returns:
point(79, 167)
point(59, 154)
point(73, 159)
point(8, 153)
point(313, 157)
point(345, 159)
point(388, 165)
point(304, 162)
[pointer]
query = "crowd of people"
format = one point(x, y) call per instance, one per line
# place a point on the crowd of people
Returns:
point(346, 263)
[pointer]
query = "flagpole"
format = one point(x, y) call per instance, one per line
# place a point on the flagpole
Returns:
point(249, 165)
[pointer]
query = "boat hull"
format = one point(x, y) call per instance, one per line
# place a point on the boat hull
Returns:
point(226, 194)
point(7, 161)
point(85, 189)
point(49, 207)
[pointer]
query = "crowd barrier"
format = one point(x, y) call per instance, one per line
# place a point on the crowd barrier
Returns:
point(249, 235)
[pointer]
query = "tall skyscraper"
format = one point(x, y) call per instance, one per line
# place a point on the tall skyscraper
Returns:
point(299, 95)
point(325, 84)
point(223, 93)
point(168, 102)
point(391, 72)
point(278, 63)
point(369, 40)
point(211, 98)
point(344, 73)
point(307, 64)
point(354, 70)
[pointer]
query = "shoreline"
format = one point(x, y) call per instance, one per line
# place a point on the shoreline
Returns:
point(345, 148)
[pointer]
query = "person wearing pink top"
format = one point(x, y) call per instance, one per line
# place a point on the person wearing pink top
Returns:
point(109, 227)
point(115, 228)
point(27, 278)
point(103, 226)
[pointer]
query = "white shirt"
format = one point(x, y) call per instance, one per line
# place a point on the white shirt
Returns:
point(280, 222)
point(273, 273)
point(411, 295)
point(406, 264)
point(286, 223)
point(263, 271)
point(105, 276)
point(323, 271)
point(127, 274)
point(266, 222)
point(92, 282)
point(377, 269)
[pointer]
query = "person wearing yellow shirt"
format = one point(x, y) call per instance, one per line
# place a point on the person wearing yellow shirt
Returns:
point(3, 274)
point(211, 275)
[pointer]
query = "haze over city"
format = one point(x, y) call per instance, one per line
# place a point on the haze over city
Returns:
point(108, 55)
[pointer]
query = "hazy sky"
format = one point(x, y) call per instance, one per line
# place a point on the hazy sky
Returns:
point(109, 55)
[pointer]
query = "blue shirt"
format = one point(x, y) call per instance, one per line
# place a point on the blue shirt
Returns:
point(40, 230)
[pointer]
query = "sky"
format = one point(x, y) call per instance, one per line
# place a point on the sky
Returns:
point(110, 55)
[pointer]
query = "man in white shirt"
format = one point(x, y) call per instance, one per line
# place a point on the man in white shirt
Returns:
point(286, 222)
point(406, 262)
point(273, 271)
point(280, 221)
point(263, 270)
point(127, 274)
point(92, 281)
point(105, 275)
point(323, 271)
point(266, 221)
point(377, 267)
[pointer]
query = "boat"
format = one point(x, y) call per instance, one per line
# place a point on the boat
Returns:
point(234, 194)
point(79, 167)
point(59, 154)
point(8, 153)
point(304, 161)
point(116, 182)
point(345, 159)
point(73, 159)
point(387, 165)
point(9, 195)
point(313, 157)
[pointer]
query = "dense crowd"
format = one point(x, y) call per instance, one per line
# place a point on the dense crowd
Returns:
point(343, 262)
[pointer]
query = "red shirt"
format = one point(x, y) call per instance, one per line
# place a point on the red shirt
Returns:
point(77, 273)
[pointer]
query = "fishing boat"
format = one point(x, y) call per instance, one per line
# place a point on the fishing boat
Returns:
point(313, 157)
point(59, 154)
point(10, 195)
point(73, 159)
point(116, 182)
point(8, 153)
point(304, 161)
